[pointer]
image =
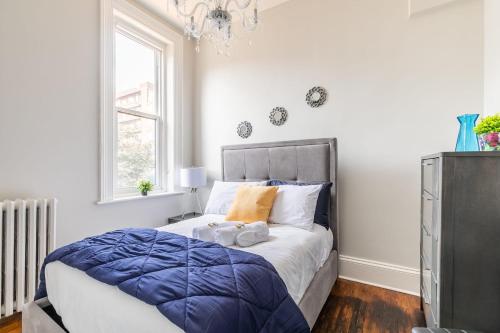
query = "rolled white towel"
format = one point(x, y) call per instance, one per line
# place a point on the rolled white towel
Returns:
point(226, 236)
point(254, 233)
point(257, 227)
point(204, 233)
point(207, 232)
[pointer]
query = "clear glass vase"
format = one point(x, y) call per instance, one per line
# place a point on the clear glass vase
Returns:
point(467, 139)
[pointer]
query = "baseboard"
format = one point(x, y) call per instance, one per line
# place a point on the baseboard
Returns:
point(380, 274)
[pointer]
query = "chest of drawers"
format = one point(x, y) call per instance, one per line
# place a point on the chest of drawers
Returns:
point(460, 240)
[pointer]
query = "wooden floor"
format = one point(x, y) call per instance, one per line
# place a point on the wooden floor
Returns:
point(11, 324)
point(354, 307)
point(351, 308)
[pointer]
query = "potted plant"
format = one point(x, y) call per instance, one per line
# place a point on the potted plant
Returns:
point(488, 131)
point(145, 186)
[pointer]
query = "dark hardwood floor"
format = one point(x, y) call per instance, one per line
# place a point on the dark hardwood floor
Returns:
point(11, 324)
point(351, 308)
point(355, 307)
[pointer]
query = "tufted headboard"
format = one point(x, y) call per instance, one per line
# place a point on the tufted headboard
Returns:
point(312, 160)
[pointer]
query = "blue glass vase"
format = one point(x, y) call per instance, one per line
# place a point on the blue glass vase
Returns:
point(467, 139)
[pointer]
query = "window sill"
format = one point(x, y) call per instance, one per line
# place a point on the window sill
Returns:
point(140, 197)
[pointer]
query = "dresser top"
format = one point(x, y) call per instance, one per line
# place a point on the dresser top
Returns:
point(464, 154)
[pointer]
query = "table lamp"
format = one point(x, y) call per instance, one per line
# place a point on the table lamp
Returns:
point(194, 178)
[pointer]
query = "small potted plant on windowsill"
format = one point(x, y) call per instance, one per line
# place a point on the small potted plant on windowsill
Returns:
point(144, 187)
point(488, 131)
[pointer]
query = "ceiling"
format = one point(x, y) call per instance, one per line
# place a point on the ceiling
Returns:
point(159, 7)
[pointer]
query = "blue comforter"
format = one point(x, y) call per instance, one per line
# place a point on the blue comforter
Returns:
point(199, 286)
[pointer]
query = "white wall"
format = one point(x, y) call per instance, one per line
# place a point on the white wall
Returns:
point(418, 6)
point(49, 116)
point(396, 85)
point(491, 57)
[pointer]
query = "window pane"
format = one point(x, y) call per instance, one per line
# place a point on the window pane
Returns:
point(135, 79)
point(136, 158)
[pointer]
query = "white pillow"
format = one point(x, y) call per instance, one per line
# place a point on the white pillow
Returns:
point(295, 205)
point(222, 196)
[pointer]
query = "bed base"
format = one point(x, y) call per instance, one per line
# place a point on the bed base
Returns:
point(37, 320)
point(318, 291)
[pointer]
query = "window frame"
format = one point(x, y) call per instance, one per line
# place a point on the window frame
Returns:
point(136, 23)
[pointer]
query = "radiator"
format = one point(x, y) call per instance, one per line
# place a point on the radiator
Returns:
point(27, 236)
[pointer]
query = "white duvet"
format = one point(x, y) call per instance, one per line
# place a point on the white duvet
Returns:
point(87, 305)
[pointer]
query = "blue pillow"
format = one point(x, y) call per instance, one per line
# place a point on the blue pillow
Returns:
point(321, 215)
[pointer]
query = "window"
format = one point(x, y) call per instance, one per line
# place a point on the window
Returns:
point(138, 107)
point(139, 126)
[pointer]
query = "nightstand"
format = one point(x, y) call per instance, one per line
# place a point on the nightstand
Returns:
point(187, 216)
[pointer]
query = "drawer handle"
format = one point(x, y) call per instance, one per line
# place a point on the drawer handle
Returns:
point(426, 298)
point(427, 164)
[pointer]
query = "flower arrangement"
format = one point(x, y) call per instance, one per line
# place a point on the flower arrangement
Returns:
point(488, 131)
point(145, 186)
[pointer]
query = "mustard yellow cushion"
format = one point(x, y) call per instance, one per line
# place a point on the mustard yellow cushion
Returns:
point(252, 204)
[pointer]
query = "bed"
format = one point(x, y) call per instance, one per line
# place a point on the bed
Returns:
point(307, 265)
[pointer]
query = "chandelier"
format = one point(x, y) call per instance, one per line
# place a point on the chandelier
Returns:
point(213, 20)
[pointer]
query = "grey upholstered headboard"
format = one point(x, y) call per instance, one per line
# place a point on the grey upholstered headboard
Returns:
point(312, 160)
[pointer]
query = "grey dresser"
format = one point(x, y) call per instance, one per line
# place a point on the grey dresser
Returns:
point(460, 240)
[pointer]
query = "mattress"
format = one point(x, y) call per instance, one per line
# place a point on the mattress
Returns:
point(87, 305)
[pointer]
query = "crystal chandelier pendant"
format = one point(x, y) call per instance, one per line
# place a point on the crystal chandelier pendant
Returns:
point(219, 18)
point(213, 20)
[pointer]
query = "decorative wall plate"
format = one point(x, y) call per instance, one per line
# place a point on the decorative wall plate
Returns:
point(278, 116)
point(316, 97)
point(244, 129)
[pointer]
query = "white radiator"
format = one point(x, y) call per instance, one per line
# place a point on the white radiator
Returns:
point(27, 236)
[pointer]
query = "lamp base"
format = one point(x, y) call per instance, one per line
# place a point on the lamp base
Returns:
point(194, 191)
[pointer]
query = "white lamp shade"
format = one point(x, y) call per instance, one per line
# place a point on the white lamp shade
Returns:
point(193, 177)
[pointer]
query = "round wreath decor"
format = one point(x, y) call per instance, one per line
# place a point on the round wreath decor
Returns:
point(244, 129)
point(316, 97)
point(278, 116)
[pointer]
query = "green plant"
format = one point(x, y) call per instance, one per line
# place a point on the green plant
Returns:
point(490, 124)
point(145, 186)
